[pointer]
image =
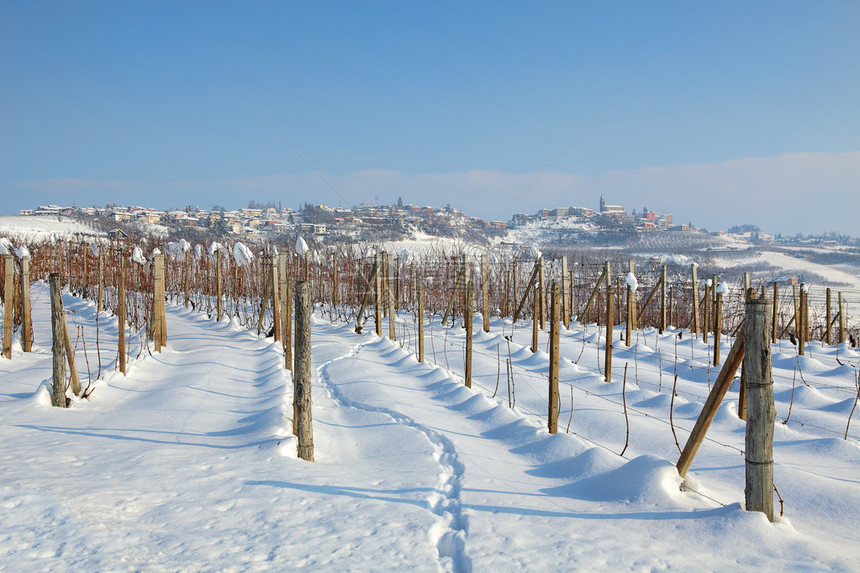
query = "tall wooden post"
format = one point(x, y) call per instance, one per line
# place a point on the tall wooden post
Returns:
point(515, 298)
point(554, 331)
point(798, 322)
point(827, 312)
point(120, 314)
point(101, 278)
point(285, 312)
point(761, 412)
point(631, 308)
point(302, 373)
point(26, 318)
point(536, 307)
point(663, 298)
point(565, 290)
point(706, 316)
point(276, 297)
point(718, 326)
point(187, 276)
point(378, 307)
point(607, 365)
point(485, 293)
point(58, 347)
point(157, 298)
point(695, 326)
point(390, 291)
point(775, 306)
point(542, 292)
point(420, 322)
point(218, 282)
point(335, 282)
point(9, 305)
point(467, 319)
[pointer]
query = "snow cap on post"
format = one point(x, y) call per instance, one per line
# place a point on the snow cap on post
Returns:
point(709, 282)
point(722, 289)
point(94, 247)
point(214, 248)
point(137, 256)
point(22, 252)
point(6, 246)
point(242, 254)
point(631, 281)
point(198, 251)
point(804, 287)
point(301, 246)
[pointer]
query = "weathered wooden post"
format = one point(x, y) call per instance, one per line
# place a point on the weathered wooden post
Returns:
point(695, 326)
point(761, 412)
point(276, 297)
point(706, 319)
point(542, 293)
point(26, 318)
point(554, 331)
point(378, 284)
point(467, 320)
point(663, 286)
point(390, 292)
point(565, 289)
point(101, 278)
point(485, 293)
point(335, 283)
point(302, 373)
point(159, 333)
point(9, 310)
point(120, 314)
point(58, 347)
point(775, 312)
point(607, 372)
point(420, 322)
point(631, 304)
point(535, 306)
point(514, 293)
point(718, 323)
point(827, 311)
point(187, 275)
point(218, 282)
point(285, 312)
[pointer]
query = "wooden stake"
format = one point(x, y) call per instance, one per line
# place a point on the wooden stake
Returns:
point(101, 278)
point(775, 311)
point(120, 314)
point(302, 373)
point(712, 404)
point(695, 325)
point(420, 322)
point(760, 408)
point(9, 305)
point(58, 347)
point(541, 293)
point(565, 290)
point(631, 309)
point(187, 276)
point(218, 282)
point(392, 325)
point(827, 312)
point(276, 297)
point(467, 319)
point(485, 293)
point(378, 284)
point(26, 318)
point(535, 306)
point(554, 330)
point(607, 367)
point(718, 327)
point(663, 320)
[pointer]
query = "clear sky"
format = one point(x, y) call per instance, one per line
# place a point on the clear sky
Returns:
point(721, 113)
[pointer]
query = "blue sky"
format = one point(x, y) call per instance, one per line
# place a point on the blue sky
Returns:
point(721, 113)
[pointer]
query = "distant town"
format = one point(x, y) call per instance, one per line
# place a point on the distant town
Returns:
point(374, 222)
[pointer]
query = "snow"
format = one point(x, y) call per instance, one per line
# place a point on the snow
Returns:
point(214, 248)
point(631, 281)
point(6, 247)
point(242, 254)
point(36, 230)
point(188, 463)
point(722, 289)
point(301, 246)
point(137, 256)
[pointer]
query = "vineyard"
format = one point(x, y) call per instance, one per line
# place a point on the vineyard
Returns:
point(430, 376)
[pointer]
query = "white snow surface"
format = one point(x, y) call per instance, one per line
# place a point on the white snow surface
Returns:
point(242, 254)
point(301, 246)
point(188, 462)
point(137, 256)
point(6, 247)
point(631, 281)
point(36, 230)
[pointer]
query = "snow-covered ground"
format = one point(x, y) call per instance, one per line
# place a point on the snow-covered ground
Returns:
point(187, 463)
point(33, 230)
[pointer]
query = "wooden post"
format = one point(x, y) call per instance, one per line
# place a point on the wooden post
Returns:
point(378, 284)
point(827, 312)
point(718, 326)
point(287, 323)
point(276, 297)
point(120, 314)
point(514, 296)
point(218, 281)
point(712, 404)
point(554, 330)
point(535, 310)
point(799, 326)
point(335, 282)
point(775, 311)
point(187, 275)
point(285, 314)
point(157, 299)
point(9, 306)
point(542, 293)
point(467, 319)
point(101, 279)
point(607, 366)
point(761, 412)
point(695, 327)
point(26, 318)
point(485, 293)
point(390, 291)
point(302, 373)
point(663, 287)
point(706, 318)
point(420, 322)
point(631, 308)
point(565, 290)
point(58, 347)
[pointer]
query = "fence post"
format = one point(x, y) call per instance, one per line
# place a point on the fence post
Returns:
point(607, 366)
point(302, 373)
point(565, 289)
point(9, 306)
point(58, 346)
point(218, 281)
point(663, 297)
point(276, 297)
point(485, 293)
point(718, 326)
point(101, 278)
point(761, 412)
point(286, 320)
point(554, 329)
point(420, 322)
point(187, 275)
point(378, 285)
point(26, 319)
point(120, 313)
point(631, 307)
point(775, 312)
point(390, 294)
point(706, 318)
point(695, 328)
point(535, 305)
point(542, 293)
point(467, 319)
point(827, 312)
